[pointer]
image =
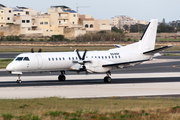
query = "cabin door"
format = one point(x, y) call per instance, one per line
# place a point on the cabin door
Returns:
point(40, 61)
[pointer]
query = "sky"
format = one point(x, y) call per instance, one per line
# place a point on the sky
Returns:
point(106, 9)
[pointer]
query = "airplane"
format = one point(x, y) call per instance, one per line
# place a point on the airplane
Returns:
point(90, 61)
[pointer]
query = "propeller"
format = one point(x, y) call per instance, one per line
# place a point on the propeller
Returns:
point(84, 55)
point(40, 50)
point(32, 50)
point(82, 60)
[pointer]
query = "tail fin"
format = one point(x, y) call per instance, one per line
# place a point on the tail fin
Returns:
point(147, 41)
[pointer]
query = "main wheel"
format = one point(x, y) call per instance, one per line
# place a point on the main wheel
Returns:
point(61, 78)
point(18, 81)
point(107, 79)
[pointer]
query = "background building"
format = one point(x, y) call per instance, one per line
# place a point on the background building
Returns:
point(91, 24)
point(120, 21)
point(58, 20)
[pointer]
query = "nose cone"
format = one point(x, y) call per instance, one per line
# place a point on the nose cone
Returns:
point(10, 67)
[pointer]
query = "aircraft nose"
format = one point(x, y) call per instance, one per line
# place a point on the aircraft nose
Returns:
point(9, 67)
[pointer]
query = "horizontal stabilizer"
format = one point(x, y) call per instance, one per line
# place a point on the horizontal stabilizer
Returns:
point(124, 63)
point(119, 46)
point(151, 52)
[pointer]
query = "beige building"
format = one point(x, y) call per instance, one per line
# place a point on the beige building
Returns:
point(91, 24)
point(58, 20)
point(6, 15)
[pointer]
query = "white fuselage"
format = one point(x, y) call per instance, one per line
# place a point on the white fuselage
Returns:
point(58, 61)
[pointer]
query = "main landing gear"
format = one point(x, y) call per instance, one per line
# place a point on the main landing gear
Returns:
point(19, 79)
point(62, 77)
point(107, 79)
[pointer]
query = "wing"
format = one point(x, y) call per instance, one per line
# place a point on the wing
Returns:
point(125, 63)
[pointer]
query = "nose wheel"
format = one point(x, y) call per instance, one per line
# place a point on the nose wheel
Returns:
point(107, 79)
point(62, 77)
point(19, 79)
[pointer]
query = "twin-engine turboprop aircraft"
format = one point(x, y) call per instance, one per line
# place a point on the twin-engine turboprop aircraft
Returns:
point(90, 61)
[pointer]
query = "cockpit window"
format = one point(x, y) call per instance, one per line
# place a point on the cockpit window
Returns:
point(19, 59)
point(26, 59)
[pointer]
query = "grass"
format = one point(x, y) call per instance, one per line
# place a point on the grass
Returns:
point(167, 39)
point(50, 49)
point(4, 62)
point(78, 109)
point(63, 49)
point(174, 48)
point(170, 54)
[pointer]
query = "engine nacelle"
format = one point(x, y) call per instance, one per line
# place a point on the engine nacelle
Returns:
point(96, 66)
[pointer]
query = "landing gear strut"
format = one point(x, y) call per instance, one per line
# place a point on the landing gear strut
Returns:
point(19, 79)
point(107, 79)
point(62, 77)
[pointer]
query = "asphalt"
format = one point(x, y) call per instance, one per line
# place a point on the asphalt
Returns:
point(40, 83)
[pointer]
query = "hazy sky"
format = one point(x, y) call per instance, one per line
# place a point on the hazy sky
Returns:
point(105, 9)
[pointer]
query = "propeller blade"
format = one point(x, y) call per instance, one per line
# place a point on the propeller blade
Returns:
point(77, 51)
point(40, 50)
point(84, 68)
point(32, 50)
point(84, 54)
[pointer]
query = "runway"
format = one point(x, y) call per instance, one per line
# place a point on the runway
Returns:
point(158, 77)
point(91, 86)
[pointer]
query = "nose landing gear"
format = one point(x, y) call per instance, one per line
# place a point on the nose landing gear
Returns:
point(19, 79)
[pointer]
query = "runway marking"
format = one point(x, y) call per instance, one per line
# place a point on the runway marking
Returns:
point(150, 67)
point(92, 91)
point(160, 61)
point(176, 66)
point(93, 76)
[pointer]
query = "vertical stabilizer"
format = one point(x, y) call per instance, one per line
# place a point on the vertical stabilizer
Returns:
point(147, 41)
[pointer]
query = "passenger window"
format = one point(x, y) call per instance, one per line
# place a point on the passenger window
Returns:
point(115, 56)
point(119, 56)
point(109, 57)
point(76, 58)
point(95, 57)
point(26, 59)
point(106, 57)
point(72, 58)
point(99, 57)
point(112, 57)
point(59, 58)
point(19, 59)
point(91, 56)
point(56, 59)
point(49, 59)
point(102, 57)
point(63, 58)
point(69, 58)
point(53, 59)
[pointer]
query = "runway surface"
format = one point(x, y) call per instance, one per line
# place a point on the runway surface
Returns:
point(158, 77)
point(82, 86)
